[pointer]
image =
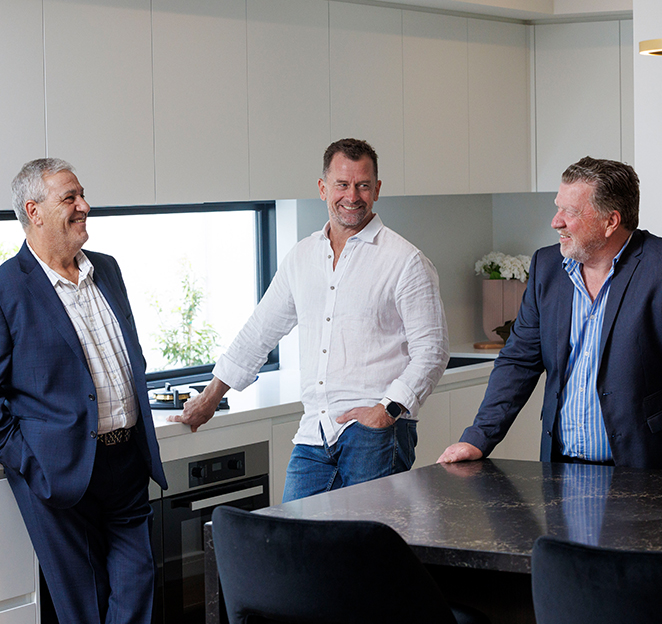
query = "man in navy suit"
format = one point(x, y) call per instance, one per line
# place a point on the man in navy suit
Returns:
point(591, 319)
point(77, 440)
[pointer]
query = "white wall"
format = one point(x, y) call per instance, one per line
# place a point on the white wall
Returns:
point(648, 114)
point(522, 222)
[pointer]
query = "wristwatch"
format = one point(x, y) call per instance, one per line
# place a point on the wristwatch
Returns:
point(392, 408)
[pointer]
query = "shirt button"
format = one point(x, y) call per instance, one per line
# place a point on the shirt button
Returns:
point(327, 318)
point(333, 287)
point(321, 383)
point(323, 350)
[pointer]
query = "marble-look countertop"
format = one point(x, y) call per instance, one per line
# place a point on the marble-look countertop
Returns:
point(488, 514)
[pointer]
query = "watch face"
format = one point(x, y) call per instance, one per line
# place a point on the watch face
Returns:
point(394, 409)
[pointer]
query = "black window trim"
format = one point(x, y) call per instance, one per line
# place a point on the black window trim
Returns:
point(266, 261)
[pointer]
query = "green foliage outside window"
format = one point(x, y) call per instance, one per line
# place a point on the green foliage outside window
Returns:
point(183, 341)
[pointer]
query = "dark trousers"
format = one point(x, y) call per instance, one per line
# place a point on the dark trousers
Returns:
point(96, 556)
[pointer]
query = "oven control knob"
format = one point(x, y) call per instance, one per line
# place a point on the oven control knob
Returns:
point(235, 464)
point(197, 472)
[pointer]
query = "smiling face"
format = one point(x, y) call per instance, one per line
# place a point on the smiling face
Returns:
point(58, 223)
point(349, 188)
point(582, 230)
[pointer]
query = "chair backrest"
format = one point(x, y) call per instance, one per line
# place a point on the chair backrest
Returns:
point(574, 583)
point(321, 572)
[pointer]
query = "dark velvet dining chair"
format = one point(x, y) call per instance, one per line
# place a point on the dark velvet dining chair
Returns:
point(324, 572)
point(577, 584)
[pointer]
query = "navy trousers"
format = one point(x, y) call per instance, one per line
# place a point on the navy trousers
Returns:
point(96, 557)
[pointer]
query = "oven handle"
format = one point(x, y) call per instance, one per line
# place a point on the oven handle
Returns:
point(223, 499)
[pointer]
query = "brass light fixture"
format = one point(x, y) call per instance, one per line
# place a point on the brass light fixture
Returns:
point(651, 47)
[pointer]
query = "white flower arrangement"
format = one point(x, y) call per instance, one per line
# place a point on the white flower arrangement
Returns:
point(500, 266)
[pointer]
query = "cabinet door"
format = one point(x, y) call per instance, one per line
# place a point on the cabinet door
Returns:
point(578, 101)
point(499, 128)
point(627, 91)
point(17, 564)
point(436, 104)
point(98, 61)
point(288, 95)
point(433, 429)
point(366, 84)
point(25, 614)
point(22, 130)
point(200, 101)
point(523, 438)
point(464, 404)
point(281, 448)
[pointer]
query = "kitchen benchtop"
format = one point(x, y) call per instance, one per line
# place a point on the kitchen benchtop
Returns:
point(487, 514)
point(276, 393)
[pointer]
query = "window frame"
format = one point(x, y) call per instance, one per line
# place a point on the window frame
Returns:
point(266, 265)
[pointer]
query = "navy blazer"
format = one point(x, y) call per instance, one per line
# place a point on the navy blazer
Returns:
point(49, 416)
point(629, 381)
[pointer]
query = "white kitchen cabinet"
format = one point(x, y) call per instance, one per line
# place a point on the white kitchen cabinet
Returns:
point(200, 101)
point(578, 96)
point(288, 95)
point(436, 104)
point(98, 61)
point(499, 128)
point(522, 440)
point(434, 429)
point(282, 434)
point(627, 91)
point(18, 570)
point(366, 84)
point(22, 129)
point(25, 614)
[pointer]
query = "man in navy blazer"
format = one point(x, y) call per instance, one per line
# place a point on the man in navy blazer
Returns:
point(77, 440)
point(591, 319)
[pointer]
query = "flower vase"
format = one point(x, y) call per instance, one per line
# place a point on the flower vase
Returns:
point(501, 301)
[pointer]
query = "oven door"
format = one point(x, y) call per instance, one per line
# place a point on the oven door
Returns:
point(179, 544)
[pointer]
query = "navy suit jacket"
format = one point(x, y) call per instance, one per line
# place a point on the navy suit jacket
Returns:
point(49, 415)
point(629, 382)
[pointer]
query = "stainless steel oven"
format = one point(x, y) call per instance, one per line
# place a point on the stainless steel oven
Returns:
point(237, 477)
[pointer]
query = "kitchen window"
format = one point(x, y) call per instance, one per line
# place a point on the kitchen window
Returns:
point(194, 274)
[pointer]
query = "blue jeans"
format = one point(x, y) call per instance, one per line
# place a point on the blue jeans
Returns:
point(360, 454)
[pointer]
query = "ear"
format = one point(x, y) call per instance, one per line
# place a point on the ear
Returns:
point(322, 187)
point(377, 187)
point(32, 210)
point(613, 223)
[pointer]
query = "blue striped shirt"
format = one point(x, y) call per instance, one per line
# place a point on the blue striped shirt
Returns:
point(581, 429)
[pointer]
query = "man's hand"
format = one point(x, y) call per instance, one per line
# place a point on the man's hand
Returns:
point(375, 417)
point(199, 409)
point(461, 451)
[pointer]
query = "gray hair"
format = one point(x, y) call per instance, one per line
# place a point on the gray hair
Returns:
point(29, 184)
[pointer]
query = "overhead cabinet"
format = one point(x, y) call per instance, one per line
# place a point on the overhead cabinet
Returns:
point(98, 62)
point(583, 104)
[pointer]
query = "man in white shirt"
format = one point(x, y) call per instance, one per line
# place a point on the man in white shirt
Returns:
point(372, 331)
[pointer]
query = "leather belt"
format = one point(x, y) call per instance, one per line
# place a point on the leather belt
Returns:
point(118, 436)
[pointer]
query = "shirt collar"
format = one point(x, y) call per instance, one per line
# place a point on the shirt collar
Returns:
point(85, 267)
point(367, 234)
point(571, 265)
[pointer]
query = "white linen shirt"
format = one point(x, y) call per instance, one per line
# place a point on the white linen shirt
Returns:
point(103, 344)
point(372, 328)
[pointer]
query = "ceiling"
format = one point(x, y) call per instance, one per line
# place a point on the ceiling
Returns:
point(527, 10)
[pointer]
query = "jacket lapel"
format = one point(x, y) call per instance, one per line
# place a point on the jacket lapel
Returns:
point(41, 289)
point(623, 272)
